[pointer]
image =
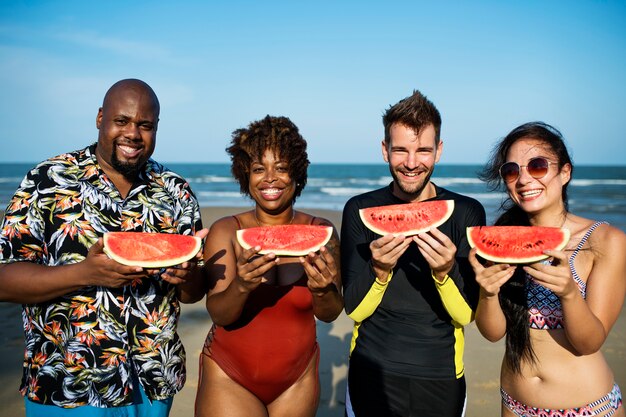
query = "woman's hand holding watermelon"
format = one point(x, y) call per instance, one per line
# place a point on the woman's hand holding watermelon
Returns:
point(324, 280)
point(555, 276)
point(321, 271)
point(492, 277)
point(252, 267)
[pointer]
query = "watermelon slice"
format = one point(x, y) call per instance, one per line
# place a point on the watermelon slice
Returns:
point(150, 250)
point(407, 219)
point(286, 240)
point(516, 244)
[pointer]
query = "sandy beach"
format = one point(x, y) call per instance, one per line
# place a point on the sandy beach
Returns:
point(482, 358)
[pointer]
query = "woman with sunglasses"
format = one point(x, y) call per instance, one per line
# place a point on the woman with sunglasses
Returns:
point(555, 314)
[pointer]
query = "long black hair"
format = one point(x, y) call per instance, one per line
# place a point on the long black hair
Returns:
point(513, 293)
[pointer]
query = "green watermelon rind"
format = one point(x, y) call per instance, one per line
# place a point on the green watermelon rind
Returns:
point(398, 208)
point(508, 237)
point(290, 230)
point(169, 260)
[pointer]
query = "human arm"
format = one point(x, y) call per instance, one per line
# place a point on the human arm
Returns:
point(453, 301)
point(439, 252)
point(29, 283)
point(490, 318)
point(188, 277)
point(231, 272)
point(364, 283)
point(606, 288)
point(324, 278)
point(47, 250)
point(446, 249)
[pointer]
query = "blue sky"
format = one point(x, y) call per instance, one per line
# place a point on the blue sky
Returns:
point(333, 67)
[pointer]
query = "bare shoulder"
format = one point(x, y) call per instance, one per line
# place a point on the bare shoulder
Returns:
point(227, 223)
point(333, 243)
point(608, 240)
point(612, 236)
point(222, 232)
point(321, 221)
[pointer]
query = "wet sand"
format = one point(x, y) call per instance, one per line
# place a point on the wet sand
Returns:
point(482, 358)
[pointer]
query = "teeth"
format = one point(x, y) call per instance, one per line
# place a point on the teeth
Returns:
point(530, 193)
point(271, 191)
point(127, 149)
point(410, 174)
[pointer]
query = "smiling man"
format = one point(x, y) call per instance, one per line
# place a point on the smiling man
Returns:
point(127, 124)
point(408, 296)
point(100, 336)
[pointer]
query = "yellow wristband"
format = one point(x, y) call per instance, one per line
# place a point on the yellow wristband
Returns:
point(445, 279)
point(386, 282)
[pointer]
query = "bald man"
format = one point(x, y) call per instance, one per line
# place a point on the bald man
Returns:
point(100, 336)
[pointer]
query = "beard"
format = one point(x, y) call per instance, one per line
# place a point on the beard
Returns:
point(413, 189)
point(129, 170)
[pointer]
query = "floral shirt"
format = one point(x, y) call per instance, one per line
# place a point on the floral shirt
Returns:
point(82, 348)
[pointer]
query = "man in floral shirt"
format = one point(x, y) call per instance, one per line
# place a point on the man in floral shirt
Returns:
point(100, 336)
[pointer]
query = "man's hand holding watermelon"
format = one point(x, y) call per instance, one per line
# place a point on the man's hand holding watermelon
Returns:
point(438, 250)
point(190, 284)
point(385, 254)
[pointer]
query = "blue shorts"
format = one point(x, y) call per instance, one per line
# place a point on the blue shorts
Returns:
point(141, 407)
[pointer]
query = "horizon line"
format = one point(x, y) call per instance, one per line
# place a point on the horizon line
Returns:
point(163, 162)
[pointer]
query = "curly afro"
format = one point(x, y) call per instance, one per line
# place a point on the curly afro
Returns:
point(275, 133)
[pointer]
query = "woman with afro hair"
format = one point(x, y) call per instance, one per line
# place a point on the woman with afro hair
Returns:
point(261, 355)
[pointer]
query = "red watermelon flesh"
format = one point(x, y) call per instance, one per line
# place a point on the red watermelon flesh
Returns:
point(150, 250)
point(407, 219)
point(516, 244)
point(286, 240)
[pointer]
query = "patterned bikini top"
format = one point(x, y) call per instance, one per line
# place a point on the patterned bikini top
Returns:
point(544, 306)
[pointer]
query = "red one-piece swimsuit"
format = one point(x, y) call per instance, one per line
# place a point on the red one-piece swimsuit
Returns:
point(268, 348)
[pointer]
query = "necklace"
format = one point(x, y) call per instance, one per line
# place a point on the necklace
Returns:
point(293, 215)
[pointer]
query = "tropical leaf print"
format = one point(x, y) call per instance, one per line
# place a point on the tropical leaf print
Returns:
point(82, 348)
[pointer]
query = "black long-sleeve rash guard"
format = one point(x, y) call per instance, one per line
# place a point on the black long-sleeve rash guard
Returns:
point(411, 325)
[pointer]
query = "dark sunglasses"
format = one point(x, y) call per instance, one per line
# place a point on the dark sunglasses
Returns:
point(537, 168)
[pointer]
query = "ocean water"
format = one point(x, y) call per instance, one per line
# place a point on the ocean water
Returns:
point(596, 192)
